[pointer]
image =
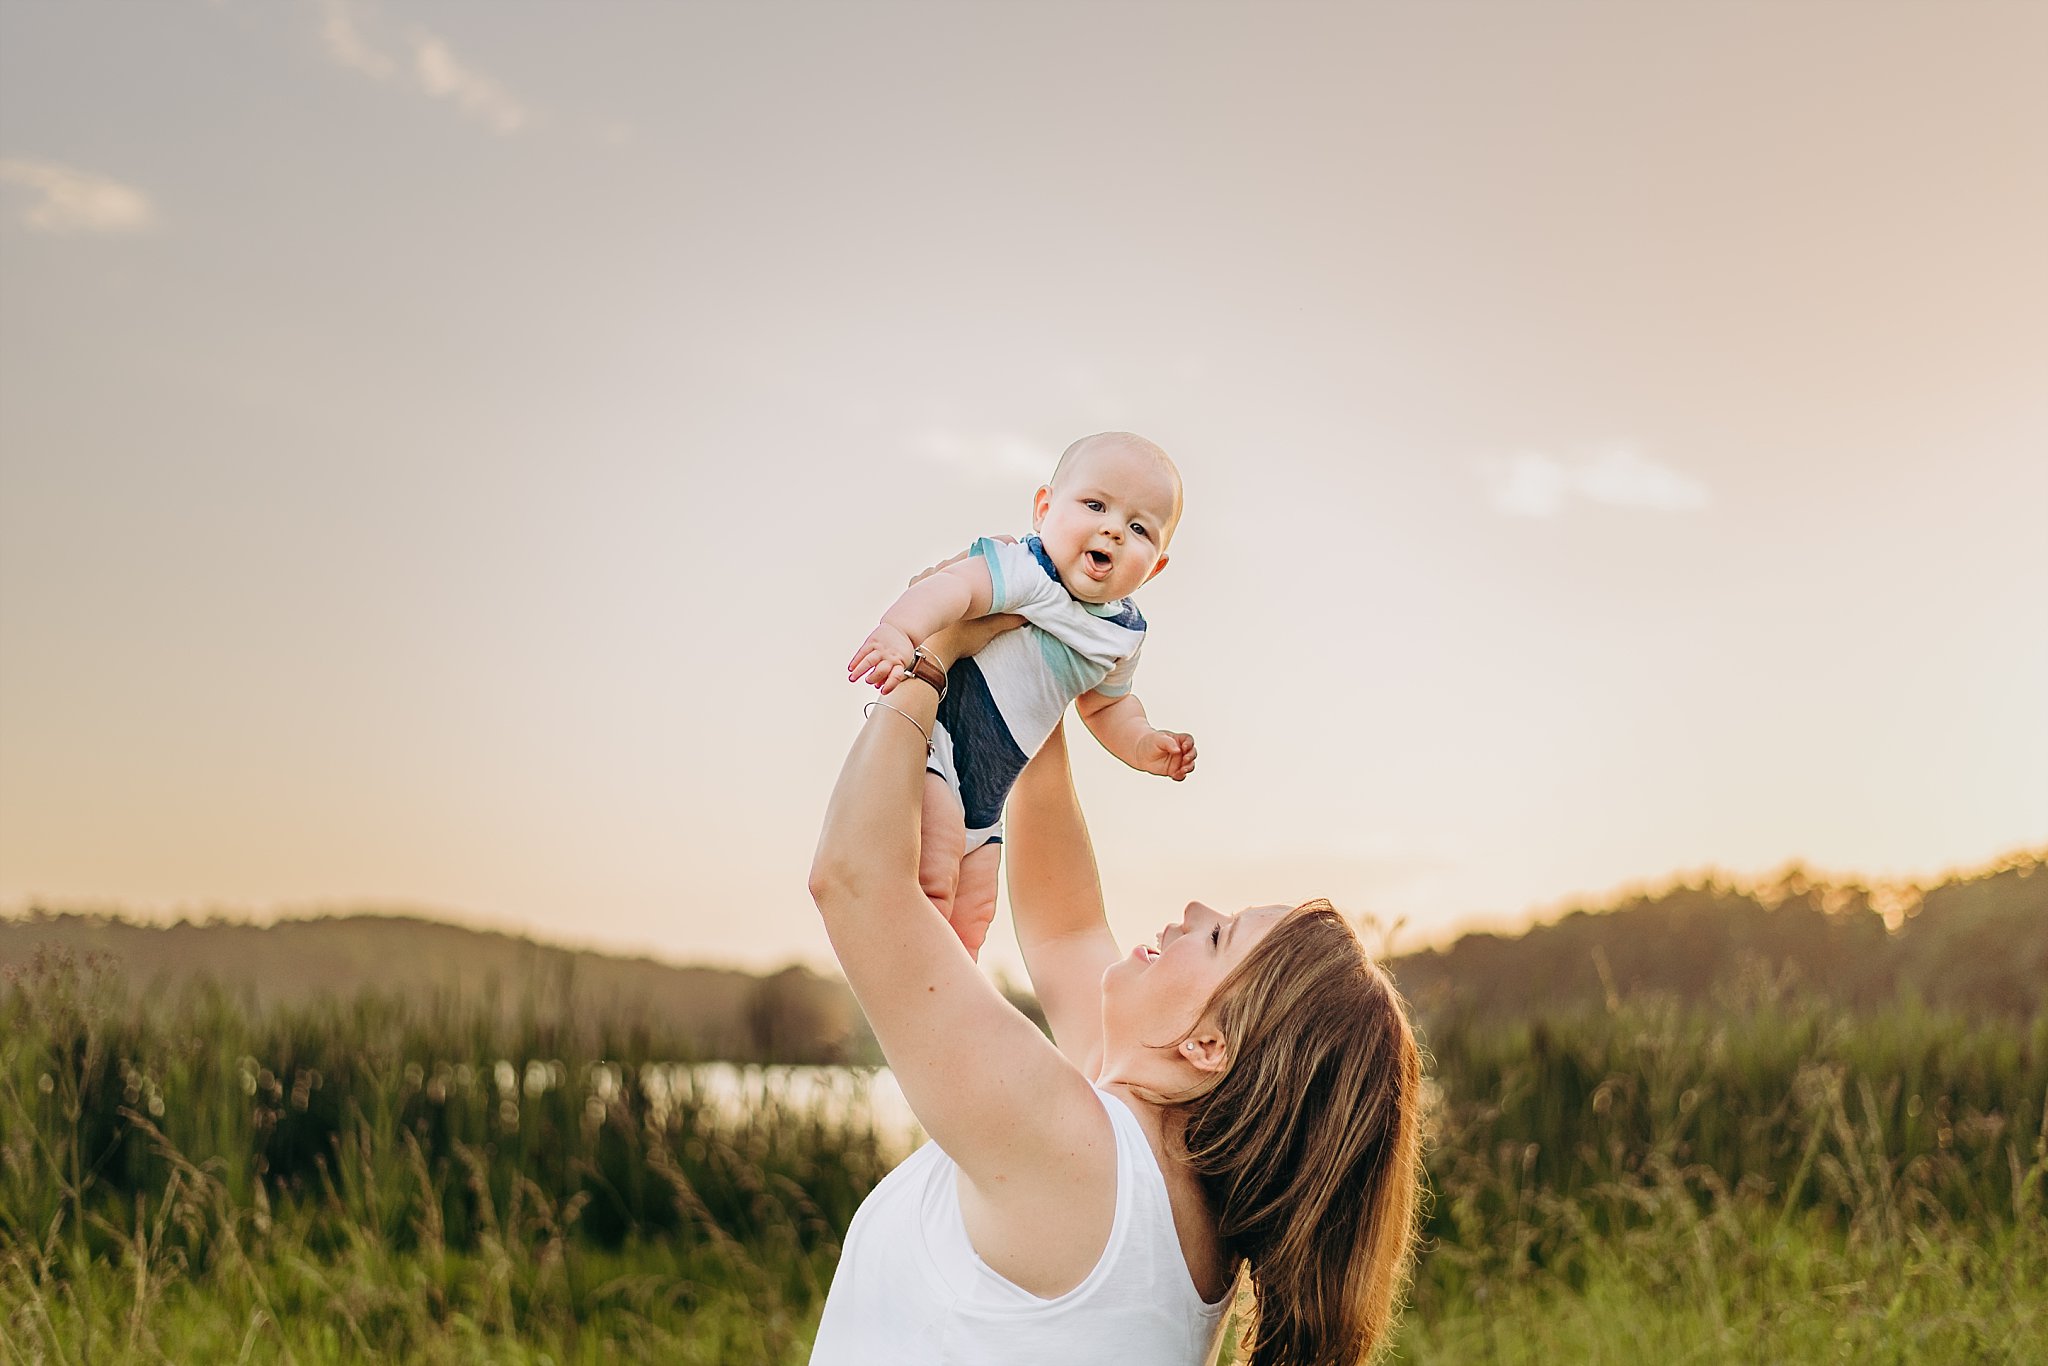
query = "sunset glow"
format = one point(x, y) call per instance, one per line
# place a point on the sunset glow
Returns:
point(445, 456)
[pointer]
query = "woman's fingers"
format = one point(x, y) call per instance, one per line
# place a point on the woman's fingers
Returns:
point(968, 637)
point(922, 575)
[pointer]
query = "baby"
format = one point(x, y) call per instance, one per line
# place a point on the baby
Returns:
point(1102, 526)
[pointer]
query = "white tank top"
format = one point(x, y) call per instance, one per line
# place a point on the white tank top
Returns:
point(911, 1291)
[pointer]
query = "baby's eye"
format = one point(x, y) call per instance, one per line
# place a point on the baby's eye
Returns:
point(1139, 528)
point(1092, 504)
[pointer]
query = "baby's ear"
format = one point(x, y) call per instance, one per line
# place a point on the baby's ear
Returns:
point(1041, 503)
point(1157, 567)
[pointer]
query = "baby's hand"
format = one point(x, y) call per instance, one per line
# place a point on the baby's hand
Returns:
point(1169, 753)
point(881, 658)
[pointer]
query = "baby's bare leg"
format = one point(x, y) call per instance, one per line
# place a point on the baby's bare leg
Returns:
point(974, 903)
point(942, 839)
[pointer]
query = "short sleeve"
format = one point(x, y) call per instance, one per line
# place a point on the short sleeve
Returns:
point(1017, 582)
point(1118, 683)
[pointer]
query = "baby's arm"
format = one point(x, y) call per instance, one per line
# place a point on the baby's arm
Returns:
point(957, 592)
point(1120, 724)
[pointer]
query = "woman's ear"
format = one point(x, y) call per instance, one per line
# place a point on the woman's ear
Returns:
point(1204, 1050)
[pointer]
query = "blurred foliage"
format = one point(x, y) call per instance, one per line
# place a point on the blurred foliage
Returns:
point(185, 1179)
point(401, 1171)
point(1976, 944)
point(1791, 1122)
point(794, 1015)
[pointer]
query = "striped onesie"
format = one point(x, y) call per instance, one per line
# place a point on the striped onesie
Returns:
point(1003, 703)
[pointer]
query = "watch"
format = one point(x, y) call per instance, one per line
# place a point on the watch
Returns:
point(923, 666)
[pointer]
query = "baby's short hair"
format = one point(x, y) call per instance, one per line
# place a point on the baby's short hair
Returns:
point(1130, 441)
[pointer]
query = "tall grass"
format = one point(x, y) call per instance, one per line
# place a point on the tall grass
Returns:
point(392, 1180)
point(185, 1179)
point(1551, 1130)
point(1779, 1182)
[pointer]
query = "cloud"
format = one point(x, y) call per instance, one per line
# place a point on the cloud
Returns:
point(72, 201)
point(997, 455)
point(476, 94)
point(1533, 484)
point(348, 47)
point(434, 68)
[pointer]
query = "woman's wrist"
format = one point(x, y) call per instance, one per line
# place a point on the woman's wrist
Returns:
point(926, 667)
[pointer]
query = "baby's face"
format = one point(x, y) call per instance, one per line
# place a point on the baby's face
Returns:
point(1106, 520)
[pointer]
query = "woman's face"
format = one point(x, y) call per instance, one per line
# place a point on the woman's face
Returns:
point(1157, 992)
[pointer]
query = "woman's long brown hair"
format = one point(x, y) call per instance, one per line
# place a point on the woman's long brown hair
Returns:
point(1308, 1144)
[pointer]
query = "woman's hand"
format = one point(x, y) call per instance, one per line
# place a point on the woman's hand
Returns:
point(968, 637)
point(921, 575)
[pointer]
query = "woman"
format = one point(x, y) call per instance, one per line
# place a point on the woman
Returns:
point(1243, 1095)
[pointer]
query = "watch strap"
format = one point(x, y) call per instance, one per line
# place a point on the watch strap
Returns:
point(923, 666)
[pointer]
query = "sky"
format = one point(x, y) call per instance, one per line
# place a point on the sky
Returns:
point(448, 453)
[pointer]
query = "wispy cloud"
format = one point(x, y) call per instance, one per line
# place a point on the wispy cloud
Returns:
point(474, 93)
point(1534, 484)
point(348, 47)
point(999, 455)
point(348, 32)
point(69, 200)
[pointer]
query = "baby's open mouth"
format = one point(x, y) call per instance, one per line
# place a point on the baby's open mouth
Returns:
point(1098, 560)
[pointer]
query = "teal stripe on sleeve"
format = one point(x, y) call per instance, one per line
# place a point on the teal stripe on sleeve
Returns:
point(990, 550)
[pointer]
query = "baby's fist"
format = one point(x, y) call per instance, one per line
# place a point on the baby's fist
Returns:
point(1169, 753)
point(881, 658)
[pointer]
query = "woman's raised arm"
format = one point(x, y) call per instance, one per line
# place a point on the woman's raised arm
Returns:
point(979, 1076)
point(1056, 900)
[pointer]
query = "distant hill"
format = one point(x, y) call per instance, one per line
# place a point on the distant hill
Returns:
point(1976, 943)
point(794, 1015)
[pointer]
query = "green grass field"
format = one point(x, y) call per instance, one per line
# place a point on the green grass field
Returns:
point(184, 1180)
